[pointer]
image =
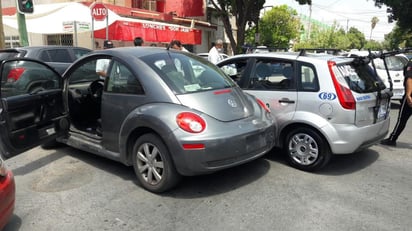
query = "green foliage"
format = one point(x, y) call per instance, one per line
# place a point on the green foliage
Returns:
point(243, 11)
point(279, 26)
point(400, 11)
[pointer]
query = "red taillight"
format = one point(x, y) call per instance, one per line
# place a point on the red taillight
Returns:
point(190, 122)
point(345, 95)
point(193, 146)
point(15, 74)
point(263, 105)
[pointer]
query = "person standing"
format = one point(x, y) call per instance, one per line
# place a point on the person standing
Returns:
point(138, 42)
point(406, 107)
point(214, 55)
point(177, 45)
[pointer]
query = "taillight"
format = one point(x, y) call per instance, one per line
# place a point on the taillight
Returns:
point(263, 105)
point(344, 94)
point(190, 122)
point(14, 74)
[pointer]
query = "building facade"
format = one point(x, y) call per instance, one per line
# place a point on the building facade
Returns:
point(158, 22)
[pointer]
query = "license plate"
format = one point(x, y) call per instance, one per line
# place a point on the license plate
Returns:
point(398, 92)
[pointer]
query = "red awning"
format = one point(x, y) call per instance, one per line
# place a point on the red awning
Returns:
point(150, 32)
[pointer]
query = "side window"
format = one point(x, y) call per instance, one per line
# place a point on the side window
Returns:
point(121, 80)
point(84, 73)
point(308, 79)
point(59, 55)
point(272, 74)
point(236, 70)
point(27, 77)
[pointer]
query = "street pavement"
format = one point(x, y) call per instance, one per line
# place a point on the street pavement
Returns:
point(67, 189)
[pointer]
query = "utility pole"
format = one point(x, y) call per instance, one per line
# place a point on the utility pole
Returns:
point(21, 22)
point(2, 39)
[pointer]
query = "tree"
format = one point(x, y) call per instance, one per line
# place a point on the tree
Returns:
point(279, 26)
point(244, 12)
point(374, 21)
point(399, 10)
point(356, 39)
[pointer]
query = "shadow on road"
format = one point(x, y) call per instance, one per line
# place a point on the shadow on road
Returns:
point(339, 164)
point(190, 187)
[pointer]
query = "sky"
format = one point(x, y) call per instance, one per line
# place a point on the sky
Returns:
point(347, 13)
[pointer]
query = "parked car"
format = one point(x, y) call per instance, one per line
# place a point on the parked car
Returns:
point(324, 104)
point(395, 65)
point(59, 57)
point(152, 111)
point(7, 194)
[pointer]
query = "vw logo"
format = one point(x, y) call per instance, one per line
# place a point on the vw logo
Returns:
point(232, 102)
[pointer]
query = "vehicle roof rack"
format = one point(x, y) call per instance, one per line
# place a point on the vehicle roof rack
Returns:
point(330, 51)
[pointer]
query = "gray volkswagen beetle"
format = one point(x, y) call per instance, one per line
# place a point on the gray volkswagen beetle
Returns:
point(164, 112)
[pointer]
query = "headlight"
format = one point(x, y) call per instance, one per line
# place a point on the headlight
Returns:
point(2, 167)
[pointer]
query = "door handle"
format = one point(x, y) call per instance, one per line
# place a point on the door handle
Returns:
point(286, 100)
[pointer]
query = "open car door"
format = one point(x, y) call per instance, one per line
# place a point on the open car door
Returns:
point(32, 108)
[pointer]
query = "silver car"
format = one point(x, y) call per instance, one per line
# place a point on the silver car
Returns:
point(323, 104)
point(164, 112)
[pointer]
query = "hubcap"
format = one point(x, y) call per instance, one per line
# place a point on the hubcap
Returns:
point(303, 149)
point(150, 163)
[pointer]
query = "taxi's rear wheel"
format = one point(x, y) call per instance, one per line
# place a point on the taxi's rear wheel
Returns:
point(153, 164)
point(306, 149)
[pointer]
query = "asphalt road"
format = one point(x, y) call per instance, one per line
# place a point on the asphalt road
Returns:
point(66, 189)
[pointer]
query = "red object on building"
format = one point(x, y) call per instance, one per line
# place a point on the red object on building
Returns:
point(150, 32)
point(182, 8)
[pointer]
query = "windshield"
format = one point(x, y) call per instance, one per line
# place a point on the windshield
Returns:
point(185, 73)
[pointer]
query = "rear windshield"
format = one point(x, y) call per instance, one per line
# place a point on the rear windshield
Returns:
point(7, 55)
point(186, 73)
point(359, 77)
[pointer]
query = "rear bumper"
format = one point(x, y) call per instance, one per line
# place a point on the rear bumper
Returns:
point(223, 152)
point(346, 139)
point(7, 198)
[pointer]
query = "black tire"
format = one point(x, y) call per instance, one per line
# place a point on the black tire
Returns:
point(153, 164)
point(306, 149)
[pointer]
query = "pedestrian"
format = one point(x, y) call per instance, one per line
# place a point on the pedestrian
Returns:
point(176, 44)
point(406, 107)
point(138, 41)
point(103, 64)
point(214, 55)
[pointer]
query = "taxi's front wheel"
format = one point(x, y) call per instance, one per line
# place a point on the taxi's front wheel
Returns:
point(153, 164)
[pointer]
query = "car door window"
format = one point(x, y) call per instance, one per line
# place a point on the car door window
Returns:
point(308, 78)
point(121, 80)
point(23, 77)
point(272, 74)
point(235, 70)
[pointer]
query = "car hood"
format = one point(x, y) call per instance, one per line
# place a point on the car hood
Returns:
point(224, 104)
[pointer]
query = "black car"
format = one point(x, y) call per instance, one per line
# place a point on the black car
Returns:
point(59, 57)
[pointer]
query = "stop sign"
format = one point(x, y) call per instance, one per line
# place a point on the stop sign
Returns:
point(99, 11)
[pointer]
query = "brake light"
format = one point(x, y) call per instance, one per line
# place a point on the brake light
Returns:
point(263, 105)
point(345, 95)
point(190, 122)
point(15, 74)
